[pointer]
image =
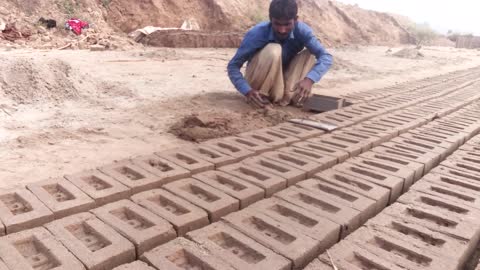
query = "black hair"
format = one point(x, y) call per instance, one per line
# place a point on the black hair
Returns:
point(283, 9)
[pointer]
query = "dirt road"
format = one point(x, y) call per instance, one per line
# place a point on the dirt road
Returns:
point(66, 111)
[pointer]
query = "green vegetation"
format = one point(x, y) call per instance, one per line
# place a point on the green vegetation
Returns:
point(422, 33)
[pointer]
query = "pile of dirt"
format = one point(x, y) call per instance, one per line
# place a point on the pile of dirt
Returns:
point(409, 53)
point(193, 39)
point(198, 128)
point(27, 81)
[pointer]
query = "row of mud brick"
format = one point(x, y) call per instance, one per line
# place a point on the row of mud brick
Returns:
point(428, 83)
point(285, 231)
point(433, 226)
point(259, 157)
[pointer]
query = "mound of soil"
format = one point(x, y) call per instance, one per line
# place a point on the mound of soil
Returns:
point(198, 128)
point(409, 53)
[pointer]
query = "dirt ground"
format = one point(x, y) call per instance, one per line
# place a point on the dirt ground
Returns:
point(65, 111)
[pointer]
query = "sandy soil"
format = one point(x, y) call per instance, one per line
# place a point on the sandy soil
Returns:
point(65, 111)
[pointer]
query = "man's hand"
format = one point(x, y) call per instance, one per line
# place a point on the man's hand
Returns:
point(302, 91)
point(256, 99)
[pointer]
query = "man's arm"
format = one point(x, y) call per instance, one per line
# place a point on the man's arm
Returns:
point(324, 59)
point(250, 45)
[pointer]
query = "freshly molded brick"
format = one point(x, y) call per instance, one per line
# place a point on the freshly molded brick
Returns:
point(61, 197)
point(448, 191)
point(214, 201)
point(20, 210)
point(99, 186)
point(297, 161)
point(378, 194)
point(186, 160)
point(393, 183)
point(164, 169)
point(395, 161)
point(238, 147)
point(281, 169)
point(345, 216)
point(299, 131)
point(237, 249)
point(281, 238)
point(140, 226)
point(94, 243)
point(133, 176)
point(322, 149)
point(240, 189)
point(353, 145)
point(308, 223)
point(183, 215)
point(428, 159)
point(364, 205)
point(271, 183)
point(213, 156)
point(136, 265)
point(35, 249)
point(181, 254)
point(324, 160)
point(261, 137)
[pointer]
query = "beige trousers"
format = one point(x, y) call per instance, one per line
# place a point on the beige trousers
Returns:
point(265, 73)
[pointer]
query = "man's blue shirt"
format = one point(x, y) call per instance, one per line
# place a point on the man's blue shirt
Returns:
point(262, 34)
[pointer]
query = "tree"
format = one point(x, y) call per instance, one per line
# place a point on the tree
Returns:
point(423, 33)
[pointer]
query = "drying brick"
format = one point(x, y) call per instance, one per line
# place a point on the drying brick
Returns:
point(450, 192)
point(183, 215)
point(186, 160)
point(395, 161)
point(354, 146)
point(240, 189)
point(364, 205)
point(99, 186)
point(291, 174)
point(321, 149)
point(238, 147)
point(214, 201)
point(165, 170)
point(299, 162)
point(345, 216)
point(20, 210)
point(94, 243)
point(269, 182)
point(299, 131)
point(281, 238)
point(181, 254)
point(307, 222)
point(61, 197)
point(136, 265)
point(134, 177)
point(238, 250)
point(427, 159)
point(35, 249)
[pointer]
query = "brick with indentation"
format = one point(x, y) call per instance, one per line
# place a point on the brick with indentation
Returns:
point(345, 216)
point(450, 147)
point(316, 264)
point(310, 224)
point(449, 192)
point(136, 265)
point(435, 202)
point(396, 124)
point(265, 138)
point(370, 127)
point(281, 169)
point(395, 161)
point(299, 131)
point(378, 194)
point(322, 159)
point(238, 147)
point(296, 161)
point(181, 254)
point(36, 249)
point(469, 149)
point(94, 243)
point(240, 189)
point(140, 226)
point(462, 165)
point(464, 182)
point(380, 137)
point(469, 129)
point(61, 197)
point(215, 202)
point(164, 169)
point(279, 135)
point(399, 251)
point(99, 186)
point(467, 157)
point(134, 177)
point(186, 160)
point(20, 210)
point(458, 138)
point(428, 159)
point(386, 167)
point(349, 256)
point(236, 249)
point(420, 236)
point(183, 215)
point(364, 205)
point(353, 145)
point(212, 155)
point(436, 220)
point(366, 138)
point(281, 238)
point(269, 182)
point(320, 149)
point(329, 119)
point(393, 183)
